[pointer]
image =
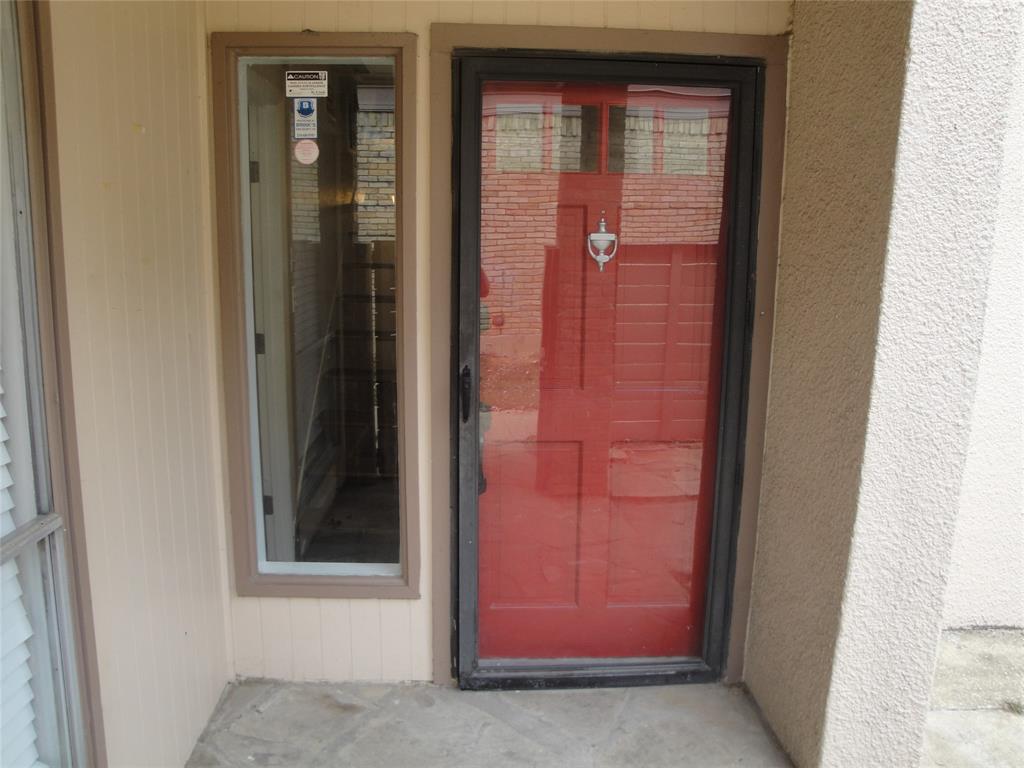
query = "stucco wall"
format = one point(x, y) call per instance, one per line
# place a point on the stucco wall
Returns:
point(986, 581)
point(135, 205)
point(943, 240)
point(846, 76)
point(869, 413)
point(312, 639)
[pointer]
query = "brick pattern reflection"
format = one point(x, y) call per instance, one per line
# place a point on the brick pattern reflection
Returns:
point(671, 193)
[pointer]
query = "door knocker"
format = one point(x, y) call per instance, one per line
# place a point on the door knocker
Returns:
point(602, 240)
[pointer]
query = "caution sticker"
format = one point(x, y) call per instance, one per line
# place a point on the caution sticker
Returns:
point(310, 84)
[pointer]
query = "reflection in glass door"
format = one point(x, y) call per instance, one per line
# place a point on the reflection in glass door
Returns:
point(602, 274)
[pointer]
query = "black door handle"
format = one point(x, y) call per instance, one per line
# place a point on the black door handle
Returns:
point(466, 385)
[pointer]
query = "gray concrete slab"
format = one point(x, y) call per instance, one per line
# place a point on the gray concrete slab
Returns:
point(978, 739)
point(979, 669)
point(977, 717)
point(397, 726)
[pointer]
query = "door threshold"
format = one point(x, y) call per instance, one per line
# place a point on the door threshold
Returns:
point(539, 674)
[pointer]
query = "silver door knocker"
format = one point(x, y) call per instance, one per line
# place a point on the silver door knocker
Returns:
point(602, 240)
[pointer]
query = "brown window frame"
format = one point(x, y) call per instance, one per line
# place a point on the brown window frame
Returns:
point(226, 50)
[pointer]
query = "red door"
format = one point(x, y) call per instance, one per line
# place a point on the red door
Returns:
point(598, 387)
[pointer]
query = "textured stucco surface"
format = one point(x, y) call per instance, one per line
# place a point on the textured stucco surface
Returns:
point(846, 74)
point(986, 579)
point(869, 413)
point(942, 241)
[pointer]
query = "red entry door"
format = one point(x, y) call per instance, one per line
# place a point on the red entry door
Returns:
point(598, 387)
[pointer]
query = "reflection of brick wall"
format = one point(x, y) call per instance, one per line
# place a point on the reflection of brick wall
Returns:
point(685, 144)
point(679, 199)
point(304, 256)
point(516, 144)
point(638, 143)
point(681, 202)
point(375, 176)
point(305, 183)
point(517, 218)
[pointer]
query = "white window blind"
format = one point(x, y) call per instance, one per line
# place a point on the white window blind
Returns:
point(18, 736)
point(28, 732)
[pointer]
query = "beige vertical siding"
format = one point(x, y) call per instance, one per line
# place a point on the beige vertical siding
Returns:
point(390, 639)
point(131, 114)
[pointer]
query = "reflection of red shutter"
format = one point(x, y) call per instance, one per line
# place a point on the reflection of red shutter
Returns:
point(485, 286)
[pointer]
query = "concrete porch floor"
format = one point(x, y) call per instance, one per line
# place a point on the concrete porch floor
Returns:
point(977, 721)
point(977, 705)
point(401, 726)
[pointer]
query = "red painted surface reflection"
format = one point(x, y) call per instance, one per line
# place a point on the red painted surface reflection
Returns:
point(599, 390)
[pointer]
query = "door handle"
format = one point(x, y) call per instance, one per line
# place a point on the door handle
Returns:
point(466, 391)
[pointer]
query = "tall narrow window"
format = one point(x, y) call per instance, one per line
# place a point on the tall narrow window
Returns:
point(319, 151)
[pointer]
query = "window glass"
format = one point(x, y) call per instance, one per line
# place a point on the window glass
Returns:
point(598, 380)
point(686, 140)
point(519, 137)
point(630, 139)
point(320, 139)
point(576, 135)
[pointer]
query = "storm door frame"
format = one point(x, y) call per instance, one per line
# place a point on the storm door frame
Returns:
point(746, 78)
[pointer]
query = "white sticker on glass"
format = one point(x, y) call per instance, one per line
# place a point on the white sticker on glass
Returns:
point(306, 151)
point(306, 84)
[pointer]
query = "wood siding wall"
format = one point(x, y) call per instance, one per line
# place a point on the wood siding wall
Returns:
point(131, 113)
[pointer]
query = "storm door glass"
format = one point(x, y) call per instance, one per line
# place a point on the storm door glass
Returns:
point(602, 252)
point(319, 138)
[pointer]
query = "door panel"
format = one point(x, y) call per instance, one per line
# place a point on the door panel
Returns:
point(600, 410)
point(598, 387)
point(534, 524)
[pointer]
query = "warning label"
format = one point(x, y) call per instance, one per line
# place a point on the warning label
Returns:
point(308, 84)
